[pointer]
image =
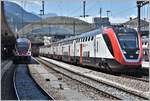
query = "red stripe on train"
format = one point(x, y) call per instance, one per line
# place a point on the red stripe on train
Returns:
point(115, 45)
point(80, 53)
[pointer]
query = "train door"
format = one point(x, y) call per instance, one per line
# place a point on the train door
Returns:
point(74, 50)
point(81, 59)
point(94, 50)
point(69, 53)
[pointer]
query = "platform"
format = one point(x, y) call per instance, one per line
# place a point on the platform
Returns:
point(52, 85)
point(145, 64)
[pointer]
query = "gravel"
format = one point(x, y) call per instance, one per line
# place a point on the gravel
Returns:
point(86, 90)
point(135, 84)
point(132, 83)
point(100, 86)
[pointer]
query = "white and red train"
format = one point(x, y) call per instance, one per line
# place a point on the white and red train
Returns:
point(112, 48)
point(22, 50)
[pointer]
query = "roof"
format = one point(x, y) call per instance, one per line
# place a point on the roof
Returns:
point(90, 33)
point(135, 22)
point(22, 40)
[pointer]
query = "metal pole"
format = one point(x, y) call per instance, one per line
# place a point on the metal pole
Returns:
point(139, 15)
point(22, 18)
point(43, 6)
point(100, 12)
point(84, 8)
point(108, 11)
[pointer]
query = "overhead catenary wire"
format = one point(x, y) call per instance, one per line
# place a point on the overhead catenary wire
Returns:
point(75, 10)
point(91, 7)
point(79, 9)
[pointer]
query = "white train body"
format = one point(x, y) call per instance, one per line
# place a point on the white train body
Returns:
point(94, 49)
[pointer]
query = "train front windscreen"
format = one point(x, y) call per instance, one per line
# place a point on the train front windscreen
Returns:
point(128, 40)
point(22, 47)
point(129, 43)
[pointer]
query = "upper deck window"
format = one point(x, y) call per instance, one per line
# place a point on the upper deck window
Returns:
point(127, 37)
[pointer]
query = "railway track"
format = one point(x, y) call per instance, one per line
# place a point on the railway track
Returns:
point(25, 86)
point(116, 91)
point(77, 90)
point(143, 78)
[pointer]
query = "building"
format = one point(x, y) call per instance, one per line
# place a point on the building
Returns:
point(99, 21)
point(133, 23)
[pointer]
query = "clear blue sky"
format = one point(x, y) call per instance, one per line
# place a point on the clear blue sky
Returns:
point(122, 9)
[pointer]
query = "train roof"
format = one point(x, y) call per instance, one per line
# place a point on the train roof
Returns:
point(123, 30)
point(98, 31)
point(22, 40)
point(90, 33)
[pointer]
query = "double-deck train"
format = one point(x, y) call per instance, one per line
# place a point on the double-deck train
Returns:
point(22, 50)
point(111, 48)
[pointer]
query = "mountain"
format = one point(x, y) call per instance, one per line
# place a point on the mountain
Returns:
point(49, 15)
point(45, 15)
point(17, 17)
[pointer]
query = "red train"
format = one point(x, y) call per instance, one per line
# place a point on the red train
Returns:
point(112, 48)
point(22, 50)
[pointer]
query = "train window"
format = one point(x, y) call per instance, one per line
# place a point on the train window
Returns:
point(82, 39)
point(91, 38)
point(86, 39)
point(108, 43)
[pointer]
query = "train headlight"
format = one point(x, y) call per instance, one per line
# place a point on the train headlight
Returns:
point(29, 53)
point(17, 53)
point(138, 52)
point(124, 52)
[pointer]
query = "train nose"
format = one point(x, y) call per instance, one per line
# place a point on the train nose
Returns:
point(22, 52)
